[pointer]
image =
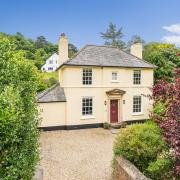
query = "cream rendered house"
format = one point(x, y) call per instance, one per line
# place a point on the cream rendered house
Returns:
point(99, 84)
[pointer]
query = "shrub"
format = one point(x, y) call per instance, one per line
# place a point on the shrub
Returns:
point(18, 114)
point(141, 144)
point(161, 168)
point(166, 114)
point(106, 125)
point(52, 81)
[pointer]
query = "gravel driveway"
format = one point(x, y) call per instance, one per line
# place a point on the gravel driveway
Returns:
point(77, 155)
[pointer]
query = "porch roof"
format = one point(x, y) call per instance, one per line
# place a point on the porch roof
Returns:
point(115, 92)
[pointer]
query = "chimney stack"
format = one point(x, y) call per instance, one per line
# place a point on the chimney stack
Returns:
point(63, 48)
point(136, 50)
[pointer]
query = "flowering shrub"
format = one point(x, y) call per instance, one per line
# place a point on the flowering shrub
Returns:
point(167, 114)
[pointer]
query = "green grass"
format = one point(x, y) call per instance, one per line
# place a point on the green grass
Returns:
point(46, 75)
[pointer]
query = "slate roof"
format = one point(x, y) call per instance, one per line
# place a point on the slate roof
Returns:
point(106, 56)
point(52, 94)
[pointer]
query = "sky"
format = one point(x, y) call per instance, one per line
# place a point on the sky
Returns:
point(83, 20)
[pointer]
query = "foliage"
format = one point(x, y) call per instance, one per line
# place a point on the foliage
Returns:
point(164, 56)
point(141, 144)
point(106, 125)
point(52, 81)
point(167, 115)
point(161, 168)
point(18, 113)
point(72, 50)
point(36, 50)
point(113, 36)
point(47, 80)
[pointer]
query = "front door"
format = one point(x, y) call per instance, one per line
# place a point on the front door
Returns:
point(113, 110)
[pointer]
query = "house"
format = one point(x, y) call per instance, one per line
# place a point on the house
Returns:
point(99, 84)
point(51, 64)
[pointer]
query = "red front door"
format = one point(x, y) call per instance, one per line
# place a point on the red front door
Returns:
point(114, 110)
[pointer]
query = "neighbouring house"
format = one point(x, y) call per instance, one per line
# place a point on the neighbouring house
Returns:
point(51, 64)
point(99, 84)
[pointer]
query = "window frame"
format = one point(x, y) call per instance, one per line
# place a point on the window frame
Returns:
point(87, 76)
point(137, 104)
point(137, 77)
point(87, 107)
point(50, 68)
point(50, 61)
point(114, 80)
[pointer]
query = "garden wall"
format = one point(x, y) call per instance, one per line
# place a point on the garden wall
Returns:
point(124, 170)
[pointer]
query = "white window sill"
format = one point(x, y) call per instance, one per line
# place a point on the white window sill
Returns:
point(87, 117)
point(114, 81)
point(137, 114)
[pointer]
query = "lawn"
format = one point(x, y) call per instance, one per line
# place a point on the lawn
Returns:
point(46, 75)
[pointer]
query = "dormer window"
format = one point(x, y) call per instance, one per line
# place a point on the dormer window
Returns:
point(137, 77)
point(87, 76)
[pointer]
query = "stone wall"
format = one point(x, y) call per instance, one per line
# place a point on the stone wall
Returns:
point(125, 170)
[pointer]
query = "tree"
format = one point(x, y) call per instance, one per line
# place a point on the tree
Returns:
point(18, 113)
point(164, 56)
point(39, 58)
point(72, 50)
point(40, 42)
point(166, 113)
point(113, 36)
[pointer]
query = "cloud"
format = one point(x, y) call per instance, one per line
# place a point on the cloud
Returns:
point(175, 37)
point(172, 39)
point(174, 28)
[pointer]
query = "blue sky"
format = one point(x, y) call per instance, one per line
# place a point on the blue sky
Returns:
point(82, 20)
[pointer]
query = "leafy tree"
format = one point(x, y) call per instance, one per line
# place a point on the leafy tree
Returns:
point(40, 42)
point(113, 36)
point(18, 113)
point(164, 56)
point(166, 113)
point(39, 57)
point(72, 50)
point(37, 51)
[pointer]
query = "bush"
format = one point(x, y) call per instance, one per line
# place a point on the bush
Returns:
point(166, 114)
point(18, 114)
point(141, 144)
point(106, 125)
point(52, 81)
point(161, 168)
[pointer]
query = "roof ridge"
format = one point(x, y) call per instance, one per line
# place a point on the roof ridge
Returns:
point(43, 93)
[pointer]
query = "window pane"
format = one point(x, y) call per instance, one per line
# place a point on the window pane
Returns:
point(87, 106)
point(87, 76)
point(137, 77)
point(137, 104)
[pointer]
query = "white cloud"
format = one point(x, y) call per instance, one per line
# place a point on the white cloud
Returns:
point(172, 39)
point(174, 28)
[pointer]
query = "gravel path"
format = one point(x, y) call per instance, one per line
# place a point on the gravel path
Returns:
point(77, 155)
